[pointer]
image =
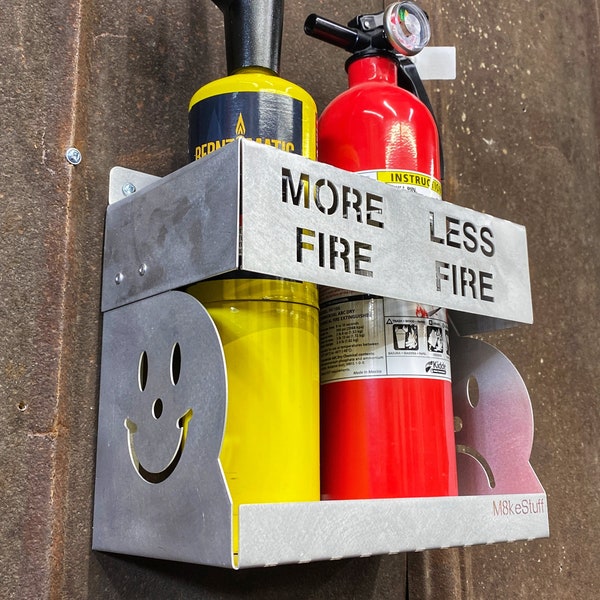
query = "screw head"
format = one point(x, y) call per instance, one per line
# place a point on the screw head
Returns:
point(73, 156)
point(128, 189)
point(119, 278)
point(142, 269)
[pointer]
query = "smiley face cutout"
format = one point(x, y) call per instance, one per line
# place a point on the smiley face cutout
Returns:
point(161, 419)
point(158, 412)
point(157, 434)
point(163, 386)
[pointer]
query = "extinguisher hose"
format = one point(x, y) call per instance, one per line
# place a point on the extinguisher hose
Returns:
point(409, 79)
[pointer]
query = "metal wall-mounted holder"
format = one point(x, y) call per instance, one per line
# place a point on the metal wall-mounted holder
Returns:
point(160, 489)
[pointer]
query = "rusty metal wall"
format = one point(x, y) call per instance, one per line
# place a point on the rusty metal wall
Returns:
point(520, 130)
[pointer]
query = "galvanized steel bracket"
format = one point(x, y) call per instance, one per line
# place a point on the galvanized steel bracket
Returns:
point(252, 207)
point(160, 489)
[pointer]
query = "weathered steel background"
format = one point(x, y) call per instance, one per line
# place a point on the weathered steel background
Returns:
point(520, 130)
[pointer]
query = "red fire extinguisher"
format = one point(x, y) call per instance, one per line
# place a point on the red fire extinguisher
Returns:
point(387, 427)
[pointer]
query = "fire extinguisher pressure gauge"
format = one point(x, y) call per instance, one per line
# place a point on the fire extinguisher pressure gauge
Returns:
point(407, 27)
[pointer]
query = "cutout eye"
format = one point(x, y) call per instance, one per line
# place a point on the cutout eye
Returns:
point(473, 392)
point(143, 371)
point(175, 364)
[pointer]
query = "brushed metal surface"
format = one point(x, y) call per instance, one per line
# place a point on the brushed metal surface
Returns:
point(182, 228)
point(121, 176)
point(185, 228)
point(494, 421)
point(278, 533)
point(186, 515)
point(403, 258)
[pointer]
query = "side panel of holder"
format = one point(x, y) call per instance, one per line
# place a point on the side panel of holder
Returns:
point(160, 491)
point(179, 230)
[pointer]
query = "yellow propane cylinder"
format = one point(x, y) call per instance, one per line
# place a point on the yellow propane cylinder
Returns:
point(269, 327)
point(269, 330)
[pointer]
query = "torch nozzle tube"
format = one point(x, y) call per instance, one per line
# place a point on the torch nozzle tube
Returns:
point(253, 30)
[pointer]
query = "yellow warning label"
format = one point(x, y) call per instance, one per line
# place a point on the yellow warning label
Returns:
point(409, 179)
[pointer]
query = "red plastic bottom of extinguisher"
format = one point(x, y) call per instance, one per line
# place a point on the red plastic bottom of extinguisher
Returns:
point(387, 438)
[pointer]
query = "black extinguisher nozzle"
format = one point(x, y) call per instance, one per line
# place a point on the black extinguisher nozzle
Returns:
point(333, 33)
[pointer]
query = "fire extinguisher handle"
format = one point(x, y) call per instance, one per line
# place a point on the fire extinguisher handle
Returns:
point(409, 79)
point(336, 34)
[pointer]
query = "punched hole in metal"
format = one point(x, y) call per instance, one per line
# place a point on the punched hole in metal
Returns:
point(143, 371)
point(473, 391)
point(157, 408)
point(175, 363)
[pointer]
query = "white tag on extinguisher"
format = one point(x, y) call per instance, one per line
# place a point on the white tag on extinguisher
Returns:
point(436, 62)
point(364, 337)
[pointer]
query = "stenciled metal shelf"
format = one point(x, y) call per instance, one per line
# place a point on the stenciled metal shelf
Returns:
point(256, 208)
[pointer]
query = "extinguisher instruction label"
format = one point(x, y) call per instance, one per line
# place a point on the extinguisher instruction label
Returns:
point(411, 181)
point(364, 337)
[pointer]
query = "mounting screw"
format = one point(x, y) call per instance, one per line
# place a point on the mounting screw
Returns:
point(73, 156)
point(119, 278)
point(142, 269)
point(128, 189)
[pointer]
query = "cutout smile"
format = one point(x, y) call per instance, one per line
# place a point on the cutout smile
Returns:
point(158, 476)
